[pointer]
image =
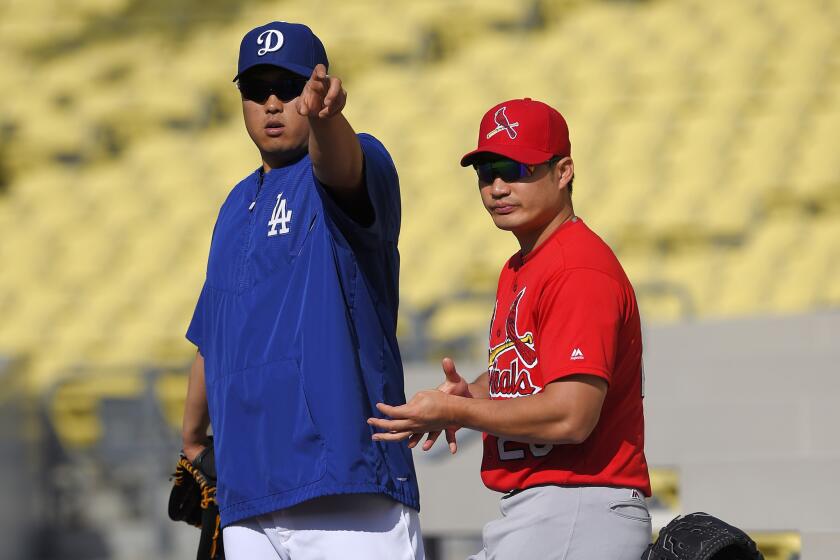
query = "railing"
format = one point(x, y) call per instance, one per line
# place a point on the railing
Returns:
point(109, 442)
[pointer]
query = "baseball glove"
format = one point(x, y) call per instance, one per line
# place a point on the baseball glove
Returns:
point(700, 536)
point(193, 500)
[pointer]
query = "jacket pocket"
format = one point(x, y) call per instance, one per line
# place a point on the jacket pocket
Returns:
point(266, 440)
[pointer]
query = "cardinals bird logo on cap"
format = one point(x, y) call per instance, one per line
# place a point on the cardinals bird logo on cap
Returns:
point(502, 123)
point(273, 40)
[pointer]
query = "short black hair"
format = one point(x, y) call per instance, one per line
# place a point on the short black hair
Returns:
point(571, 183)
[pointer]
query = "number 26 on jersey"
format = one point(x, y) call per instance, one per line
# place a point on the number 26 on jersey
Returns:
point(515, 454)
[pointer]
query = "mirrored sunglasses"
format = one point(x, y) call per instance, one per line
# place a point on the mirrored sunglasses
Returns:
point(507, 170)
point(259, 91)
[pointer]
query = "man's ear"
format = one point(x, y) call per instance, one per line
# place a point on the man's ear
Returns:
point(565, 169)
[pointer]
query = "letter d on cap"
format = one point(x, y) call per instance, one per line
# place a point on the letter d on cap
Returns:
point(273, 40)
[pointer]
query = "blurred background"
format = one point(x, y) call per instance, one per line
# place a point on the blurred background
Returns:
point(705, 135)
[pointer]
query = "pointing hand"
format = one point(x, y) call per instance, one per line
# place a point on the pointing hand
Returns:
point(322, 96)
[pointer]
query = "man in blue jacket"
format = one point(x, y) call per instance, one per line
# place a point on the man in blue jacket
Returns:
point(296, 325)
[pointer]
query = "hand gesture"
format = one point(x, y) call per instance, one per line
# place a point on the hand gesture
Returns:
point(454, 385)
point(424, 413)
point(427, 411)
point(322, 96)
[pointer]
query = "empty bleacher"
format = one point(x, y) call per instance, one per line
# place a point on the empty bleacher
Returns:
point(702, 145)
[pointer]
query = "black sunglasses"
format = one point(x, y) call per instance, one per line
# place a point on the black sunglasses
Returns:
point(259, 91)
point(507, 170)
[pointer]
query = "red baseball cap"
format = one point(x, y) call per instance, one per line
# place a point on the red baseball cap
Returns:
point(523, 130)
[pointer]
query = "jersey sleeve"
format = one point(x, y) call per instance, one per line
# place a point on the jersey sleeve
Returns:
point(580, 313)
point(195, 332)
point(383, 189)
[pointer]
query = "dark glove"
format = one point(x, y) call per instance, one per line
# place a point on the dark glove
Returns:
point(700, 536)
point(193, 500)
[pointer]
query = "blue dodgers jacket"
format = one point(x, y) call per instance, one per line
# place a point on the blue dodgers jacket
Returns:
point(297, 325)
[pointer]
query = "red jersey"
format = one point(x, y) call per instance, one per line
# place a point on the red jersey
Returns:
point(568, 308)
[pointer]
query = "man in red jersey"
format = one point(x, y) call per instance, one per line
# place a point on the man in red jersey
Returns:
point(561, 402)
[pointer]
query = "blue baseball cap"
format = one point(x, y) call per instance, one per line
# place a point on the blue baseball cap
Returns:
point(292, 46)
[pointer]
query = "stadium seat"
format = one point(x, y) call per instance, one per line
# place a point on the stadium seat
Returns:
point(703, 138)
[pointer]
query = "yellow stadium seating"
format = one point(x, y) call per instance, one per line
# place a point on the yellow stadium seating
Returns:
point(778, 546)
point(664, 484)
point(703, 136)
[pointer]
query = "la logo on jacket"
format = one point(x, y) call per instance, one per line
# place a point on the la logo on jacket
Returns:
point(279, 217)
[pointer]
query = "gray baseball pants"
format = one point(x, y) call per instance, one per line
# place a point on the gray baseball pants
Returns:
point(568, 523)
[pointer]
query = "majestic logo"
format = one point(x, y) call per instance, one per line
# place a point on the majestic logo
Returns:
point(515, 381)
point(576, 354)
point(279, 216)
point(272, 39)
point(502, 123)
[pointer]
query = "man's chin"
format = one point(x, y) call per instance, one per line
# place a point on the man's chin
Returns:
point(283, 149)
point(504, 223)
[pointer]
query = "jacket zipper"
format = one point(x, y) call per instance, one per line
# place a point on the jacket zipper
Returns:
point(249, 238)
